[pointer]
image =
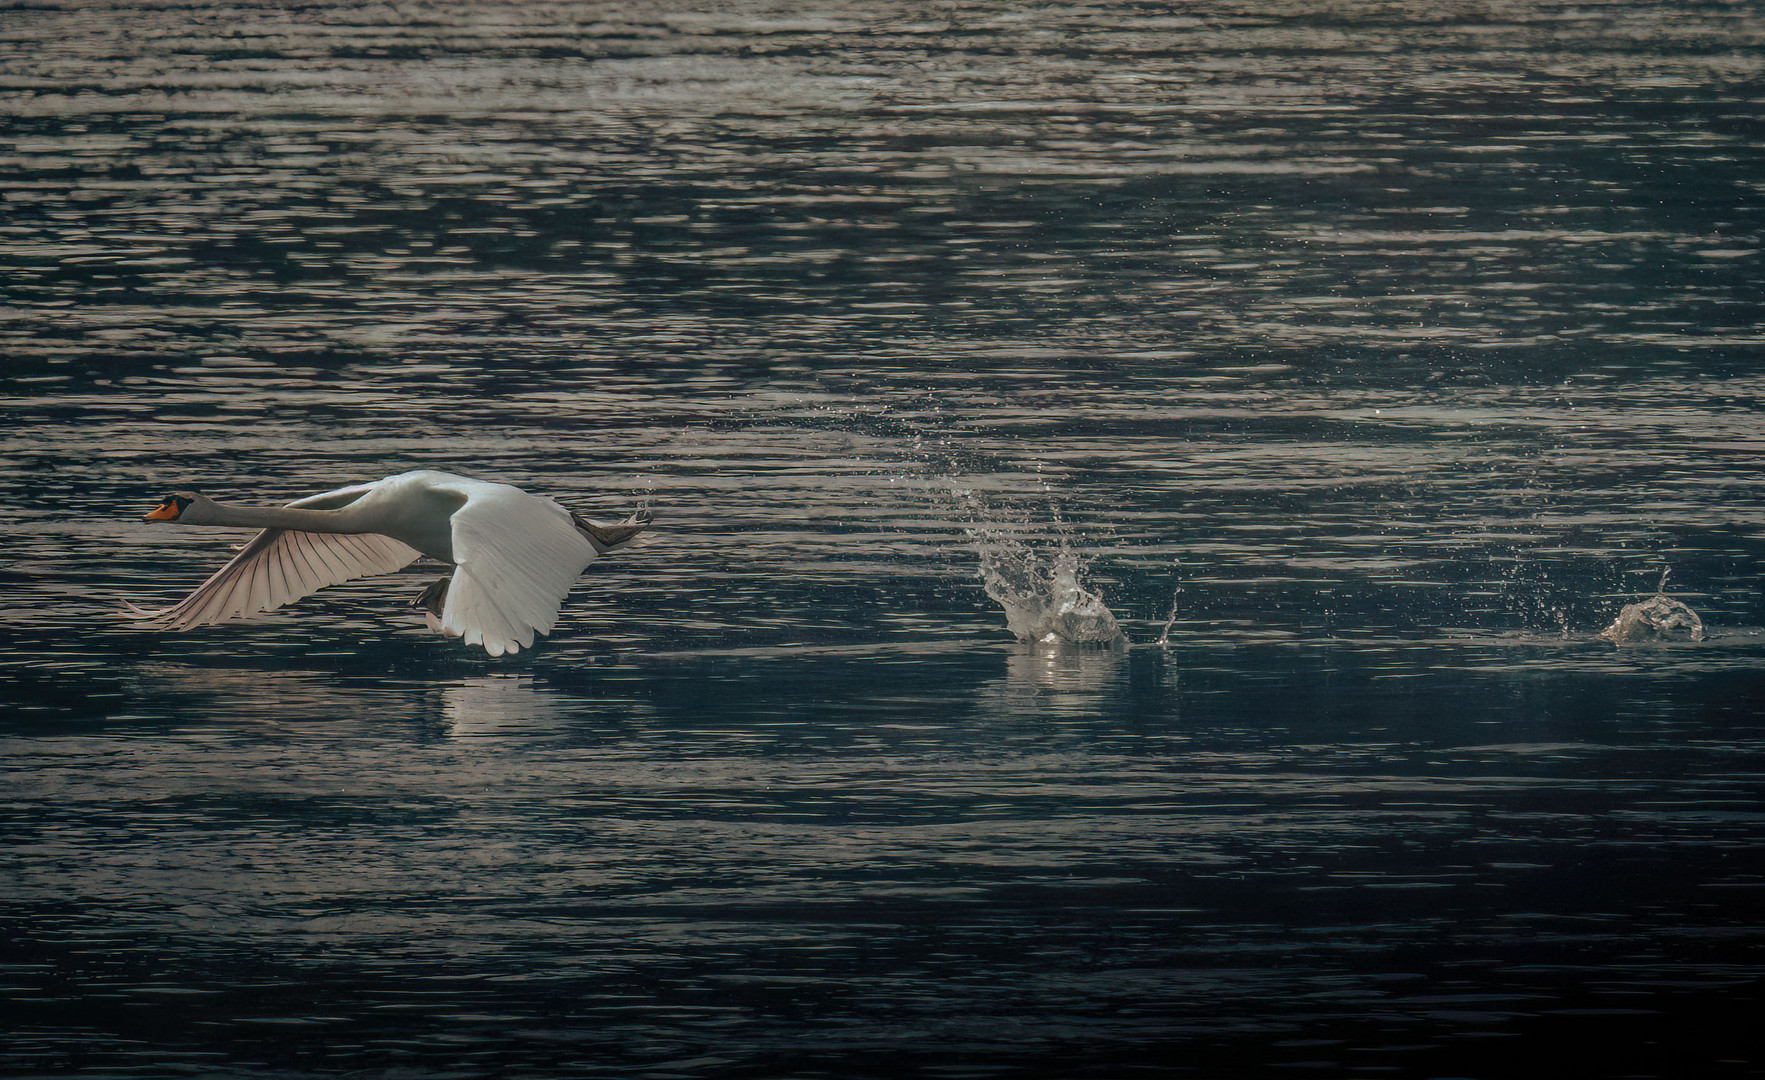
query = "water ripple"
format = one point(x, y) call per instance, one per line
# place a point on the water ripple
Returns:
point(1368, 361)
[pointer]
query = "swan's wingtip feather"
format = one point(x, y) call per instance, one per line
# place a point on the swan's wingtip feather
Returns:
point(148, 618)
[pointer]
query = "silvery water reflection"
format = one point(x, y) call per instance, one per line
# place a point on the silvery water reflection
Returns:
point(1380, 355)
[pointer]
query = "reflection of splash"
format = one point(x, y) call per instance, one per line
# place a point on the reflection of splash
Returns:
point(1041, 591)
point(1043, 679)
point(1660, 616)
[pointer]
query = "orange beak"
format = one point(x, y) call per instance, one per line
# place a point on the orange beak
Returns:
point(168, 511)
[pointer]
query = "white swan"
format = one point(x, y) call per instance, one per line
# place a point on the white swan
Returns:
point(514, 555)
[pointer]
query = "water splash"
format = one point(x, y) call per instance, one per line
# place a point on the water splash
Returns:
point(1660, 616)
point(1042, 591)
point(1170, 620)
point(1532, 593)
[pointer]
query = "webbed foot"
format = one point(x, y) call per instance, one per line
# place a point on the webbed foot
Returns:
point(433, 598)
point(607, 538)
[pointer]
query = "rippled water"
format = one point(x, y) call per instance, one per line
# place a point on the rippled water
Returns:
point(1364, 359)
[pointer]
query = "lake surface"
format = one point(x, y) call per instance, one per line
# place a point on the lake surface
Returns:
point(1364, 359)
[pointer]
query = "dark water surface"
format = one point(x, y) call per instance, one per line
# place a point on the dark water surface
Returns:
point(1370, 355)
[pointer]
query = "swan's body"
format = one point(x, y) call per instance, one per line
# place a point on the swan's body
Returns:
point(514, 555)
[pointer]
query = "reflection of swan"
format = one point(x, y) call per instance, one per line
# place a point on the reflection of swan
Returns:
point(500, 705)
point(515, 555)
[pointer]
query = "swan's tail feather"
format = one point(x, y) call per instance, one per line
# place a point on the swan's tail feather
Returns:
point(606, 538)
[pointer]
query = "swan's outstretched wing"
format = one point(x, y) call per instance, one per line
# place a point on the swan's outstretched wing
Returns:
point(279, 566)
point(517, 556)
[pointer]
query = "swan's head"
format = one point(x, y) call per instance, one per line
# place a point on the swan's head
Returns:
point(173, 507)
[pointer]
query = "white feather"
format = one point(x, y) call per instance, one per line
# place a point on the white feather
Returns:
point(516, 556)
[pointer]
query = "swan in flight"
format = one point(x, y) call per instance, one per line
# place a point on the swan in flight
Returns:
point(514, 555)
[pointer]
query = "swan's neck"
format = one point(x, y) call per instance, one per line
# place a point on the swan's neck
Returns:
point(271, 517)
